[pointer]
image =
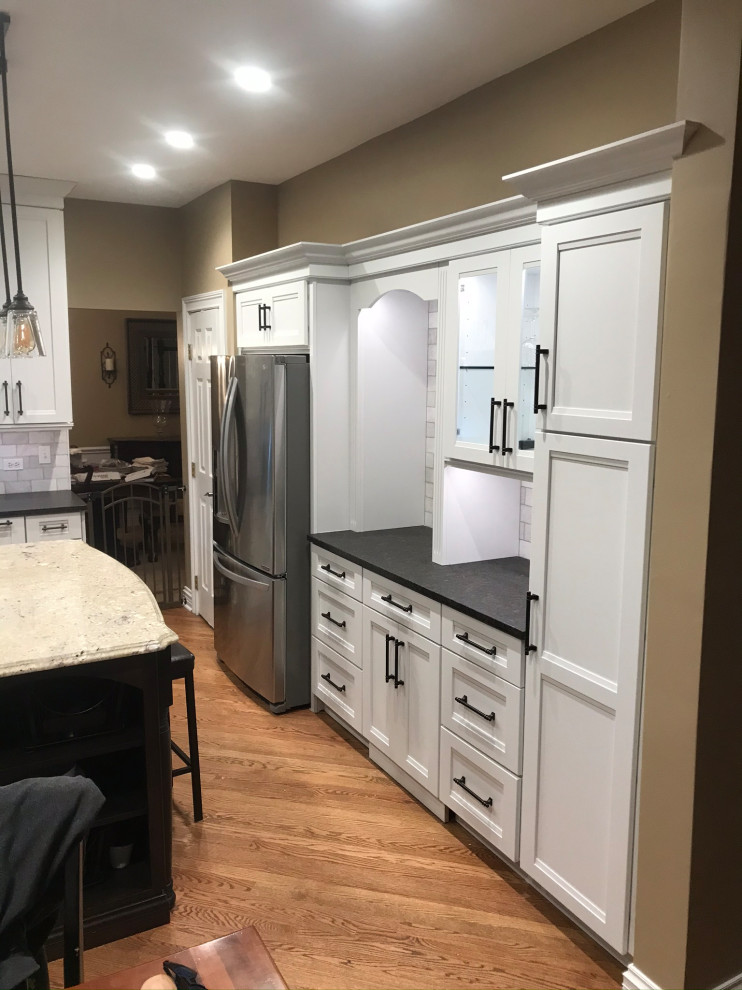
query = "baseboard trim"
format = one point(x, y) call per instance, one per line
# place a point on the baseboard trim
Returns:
point(186, 596)
point(634, 979)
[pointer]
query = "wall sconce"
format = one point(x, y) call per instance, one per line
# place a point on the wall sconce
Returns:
point(108, 365)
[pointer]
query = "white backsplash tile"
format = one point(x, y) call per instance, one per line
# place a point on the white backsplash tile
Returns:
point(33, 475)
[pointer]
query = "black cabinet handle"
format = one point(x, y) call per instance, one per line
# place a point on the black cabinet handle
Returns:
point(6, 522)
point(260, 317)
point(398, 644)
point(540, 352)
point(387, 676)
point(337, 574)
point(493, 445)
point(340, 625)
point(390, 601)
point(505, 406)
point(7, 407)
point(489, 650)
point(461, 781)
point(20, 398)
point(57, 526)
point(463, 700)
point(263, 311)
point(338, 687)
point(530, 597)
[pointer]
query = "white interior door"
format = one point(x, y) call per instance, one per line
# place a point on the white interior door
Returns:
point(203, 327)
point(588, 567)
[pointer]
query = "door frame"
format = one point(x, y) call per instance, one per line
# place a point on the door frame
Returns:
point(190, 305)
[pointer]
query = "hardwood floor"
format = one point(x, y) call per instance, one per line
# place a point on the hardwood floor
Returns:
point(349, 881)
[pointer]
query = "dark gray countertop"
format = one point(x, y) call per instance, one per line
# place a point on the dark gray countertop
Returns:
point(39, 503)
point(493, 591)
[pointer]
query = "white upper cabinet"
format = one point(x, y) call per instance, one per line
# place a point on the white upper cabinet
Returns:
point(274, 316)
point(492, 321)
point(36, 391)
point(602, 290)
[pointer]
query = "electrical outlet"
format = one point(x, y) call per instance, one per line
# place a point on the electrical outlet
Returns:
point(45, 455)
point(12, 464)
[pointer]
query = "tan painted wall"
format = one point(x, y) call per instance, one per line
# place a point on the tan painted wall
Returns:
point(121, 256)
point(98, 411)
point(707, 92)
point(254, 219)
point(616, 82)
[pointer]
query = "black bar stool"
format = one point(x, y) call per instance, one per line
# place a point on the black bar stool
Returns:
point(181, 665)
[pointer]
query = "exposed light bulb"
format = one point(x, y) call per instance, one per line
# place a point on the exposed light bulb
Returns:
point(252, 79)
point(143, 171)
point(179, 139)
point(24, 333)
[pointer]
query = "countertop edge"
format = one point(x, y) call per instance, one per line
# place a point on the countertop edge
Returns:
point(421, 589)
point(66, 501)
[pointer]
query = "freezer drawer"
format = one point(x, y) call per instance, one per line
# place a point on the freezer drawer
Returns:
point(250, 626)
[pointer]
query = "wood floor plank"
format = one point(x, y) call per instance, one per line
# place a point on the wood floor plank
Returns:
point(350, 882)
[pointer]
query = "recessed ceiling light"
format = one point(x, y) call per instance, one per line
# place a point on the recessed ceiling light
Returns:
point(252, 79)
point(179, 139)
point(143, 171)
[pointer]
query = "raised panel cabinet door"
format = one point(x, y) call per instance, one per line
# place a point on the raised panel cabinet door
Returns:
point(381, 705)
point(475, 358)
point(415, 746)
point(601, 289)
point(582, 691)
point(288, 315)
point(40, 387)
point(248, 319)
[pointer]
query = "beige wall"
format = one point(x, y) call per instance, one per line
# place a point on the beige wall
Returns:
point(616, 82)
point(254, 219)
point(100, 412)
point(707, 92)
point(121, 256)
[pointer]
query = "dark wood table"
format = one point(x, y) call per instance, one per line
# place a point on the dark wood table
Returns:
point(238, 961)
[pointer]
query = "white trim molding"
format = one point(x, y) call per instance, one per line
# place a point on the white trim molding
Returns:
point(30, 191)
point(642, 154)
point(734, 984)
point(634, 979)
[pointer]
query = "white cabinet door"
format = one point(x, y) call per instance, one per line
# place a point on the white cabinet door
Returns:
point(524, 305)
point(588, 569)
point(476, 355)
point(6, 393)
point(602, 284)
point(276, 316)
point(417, 664)
point(12, 530)
point(381, 706)
point(40, 387)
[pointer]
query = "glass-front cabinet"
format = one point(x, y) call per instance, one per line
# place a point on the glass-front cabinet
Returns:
point(489, 360)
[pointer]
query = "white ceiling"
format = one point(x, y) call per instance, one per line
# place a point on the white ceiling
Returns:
point(93, 83)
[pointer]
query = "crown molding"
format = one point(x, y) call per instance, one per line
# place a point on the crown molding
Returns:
point(640, 155)
point(30, 191)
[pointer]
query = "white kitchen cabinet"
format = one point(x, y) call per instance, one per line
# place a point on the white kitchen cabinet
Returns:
point(583, 674)
point(12, 530)
point(602, 285)
point(401, 696)
point(338, 684)
point(492, 326)
point(50, 526)
point(337, 621)
point(275, 316)
point(36, 391)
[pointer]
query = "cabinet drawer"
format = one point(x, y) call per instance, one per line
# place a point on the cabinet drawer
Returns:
point(338, 683)
point(336, 621)
point(465, 687)
point(476, 641)
point(40, 529)
point(12, 530)
point(493, 809)
point(407, 607)
point(337, 572)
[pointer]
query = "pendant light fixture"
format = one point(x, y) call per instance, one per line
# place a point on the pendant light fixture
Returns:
point(23, 332)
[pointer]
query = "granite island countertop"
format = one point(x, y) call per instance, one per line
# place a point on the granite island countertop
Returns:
point(493, 591)
point(65, 603)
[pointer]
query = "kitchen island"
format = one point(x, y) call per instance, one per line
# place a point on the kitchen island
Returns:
point(85, 687)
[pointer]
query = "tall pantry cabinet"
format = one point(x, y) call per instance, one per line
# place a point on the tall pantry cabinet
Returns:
point(601, 311)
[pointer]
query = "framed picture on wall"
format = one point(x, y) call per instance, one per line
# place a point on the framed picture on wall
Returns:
point(152, 349)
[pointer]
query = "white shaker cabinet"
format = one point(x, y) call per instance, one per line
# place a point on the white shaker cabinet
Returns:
point(273, 316)
point(583, 674)
point(36, 391)
point(602, 284)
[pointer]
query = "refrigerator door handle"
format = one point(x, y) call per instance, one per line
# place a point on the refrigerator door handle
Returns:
point(224, 452)
point(238, 578)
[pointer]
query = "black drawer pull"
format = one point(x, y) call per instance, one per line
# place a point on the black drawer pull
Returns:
point(387, 676)
point(6, 522)
point(505, 406)
point(540, 352)
point(461, 781)
point(340, 625)
point(57, 526)
point(390, 601)
point(463, 701)
point(530, 647)
point(337, 574)
point(338, 687)
point(20, 398)
point(5, 390)
point(397, 682)
point(489, 650)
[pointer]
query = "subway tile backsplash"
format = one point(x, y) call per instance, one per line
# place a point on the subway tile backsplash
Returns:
point(34, 461)
point(430, 424)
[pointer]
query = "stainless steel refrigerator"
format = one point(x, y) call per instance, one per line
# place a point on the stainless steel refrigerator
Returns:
point(260, 424)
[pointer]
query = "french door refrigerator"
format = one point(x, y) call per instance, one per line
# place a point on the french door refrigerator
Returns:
point(260, 426)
